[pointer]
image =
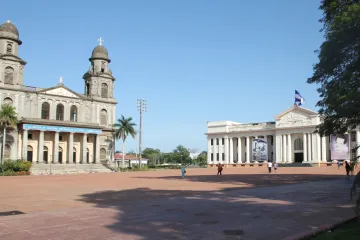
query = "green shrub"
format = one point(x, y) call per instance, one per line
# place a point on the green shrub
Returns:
point(16, 166)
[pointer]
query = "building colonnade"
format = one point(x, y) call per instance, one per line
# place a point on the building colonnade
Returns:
point(282, 148)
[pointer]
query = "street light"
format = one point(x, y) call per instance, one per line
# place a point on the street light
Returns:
point(142, 107)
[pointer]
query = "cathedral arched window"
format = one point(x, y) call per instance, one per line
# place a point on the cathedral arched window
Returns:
point(8, 101)
point(9, 48)
point(73, 113)
point(60, 112)
point(103, 117)
point(9, 75)
point(7, 152)
point(103, 66)
point(104, 90)
point(87, 89)
point(45, 111)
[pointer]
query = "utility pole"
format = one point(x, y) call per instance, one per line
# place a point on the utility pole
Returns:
point(142, 107)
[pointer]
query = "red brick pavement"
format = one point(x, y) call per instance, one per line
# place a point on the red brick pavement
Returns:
point(160, 205)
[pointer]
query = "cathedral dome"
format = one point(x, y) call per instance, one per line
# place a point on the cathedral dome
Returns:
point(100, 52)
point(8, 30)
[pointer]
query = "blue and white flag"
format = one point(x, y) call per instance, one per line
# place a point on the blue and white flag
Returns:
point(299, 100)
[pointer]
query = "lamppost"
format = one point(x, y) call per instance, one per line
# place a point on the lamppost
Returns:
point(142, 107)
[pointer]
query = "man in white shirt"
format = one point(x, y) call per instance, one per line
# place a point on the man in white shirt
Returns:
point(269, 166)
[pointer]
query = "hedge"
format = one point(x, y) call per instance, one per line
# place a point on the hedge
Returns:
point(15, 168)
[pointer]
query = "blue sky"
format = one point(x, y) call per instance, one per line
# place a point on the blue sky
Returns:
point(193, 60)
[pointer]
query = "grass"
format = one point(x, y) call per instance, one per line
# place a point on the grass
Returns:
point(348, 231)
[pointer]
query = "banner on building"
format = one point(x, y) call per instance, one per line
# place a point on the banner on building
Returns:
point(340, 146)
point(259, 150)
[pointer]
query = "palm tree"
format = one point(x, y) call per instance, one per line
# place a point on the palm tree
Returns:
point(124, 127)
point(8, 119)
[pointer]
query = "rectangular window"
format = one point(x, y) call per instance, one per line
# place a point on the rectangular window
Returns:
point(217, 156)
point(30, 136)
point(212, 157)
point(353, 136)
point(272, 140)
point(60, 138)
point(353, 154)
point(223, 141)
point(223, 156)
point(217, 141)
point(212, 142)
point(245, 143)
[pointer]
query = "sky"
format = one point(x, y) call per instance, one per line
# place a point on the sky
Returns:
point(194, 61)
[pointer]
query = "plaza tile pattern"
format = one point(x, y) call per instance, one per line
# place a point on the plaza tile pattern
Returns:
point(245, 203)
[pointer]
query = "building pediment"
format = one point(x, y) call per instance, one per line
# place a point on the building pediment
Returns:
point(295, 117)
point(61, 90)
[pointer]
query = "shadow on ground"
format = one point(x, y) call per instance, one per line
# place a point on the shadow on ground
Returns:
point(255, 180)
point(242, 213)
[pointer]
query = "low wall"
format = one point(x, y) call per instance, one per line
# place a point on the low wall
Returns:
point(248, 165)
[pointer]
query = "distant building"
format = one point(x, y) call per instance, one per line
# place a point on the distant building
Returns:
point(134, 160)
point(290, 138)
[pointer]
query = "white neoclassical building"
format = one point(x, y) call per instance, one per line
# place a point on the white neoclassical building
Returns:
point(290, 138)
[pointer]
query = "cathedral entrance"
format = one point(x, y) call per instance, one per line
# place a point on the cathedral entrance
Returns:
point(60, 155)
point(45, 154)
point(299, 157)
point(29, 153)
point(74, 155)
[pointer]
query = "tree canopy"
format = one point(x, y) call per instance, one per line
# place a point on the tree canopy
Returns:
point(338, 69)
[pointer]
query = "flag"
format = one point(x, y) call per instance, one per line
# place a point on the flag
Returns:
point(299, 100)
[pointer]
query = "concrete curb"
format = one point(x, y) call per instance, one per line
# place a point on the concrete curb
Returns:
point(312, 233)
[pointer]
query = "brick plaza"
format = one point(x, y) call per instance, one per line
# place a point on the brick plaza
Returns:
point(243, 203)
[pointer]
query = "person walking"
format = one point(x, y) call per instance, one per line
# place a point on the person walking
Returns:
point(269, 166)
point(183, 171)
point(220, 168)
point(347, 169)
point(276, 166)
point(338, 164)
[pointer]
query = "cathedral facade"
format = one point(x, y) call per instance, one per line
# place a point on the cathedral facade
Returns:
point(57, 125)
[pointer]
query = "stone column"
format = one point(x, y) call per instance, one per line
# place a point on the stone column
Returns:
point(239, 151)
point(289, 149)
point(309, 147)
point(97, 149)
point(274, 146)
point(226, 151)
point(220, 151)
point(84, 148)
point(208, 153)
point(284, 149)
point(278, 148)
point(358, 144)
point(41, 147)
point(71, 148)
point(305, 147)
point(248, 149)
point(24, 144)
point(214, 150)
point(56, 148)
point(318, 147)
point(231, 156)
point(323, 149)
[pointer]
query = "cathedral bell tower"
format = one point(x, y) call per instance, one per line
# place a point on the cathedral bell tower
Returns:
point(11, 66)
point(99, 82)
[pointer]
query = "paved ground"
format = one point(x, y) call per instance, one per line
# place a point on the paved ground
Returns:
point(242, 204)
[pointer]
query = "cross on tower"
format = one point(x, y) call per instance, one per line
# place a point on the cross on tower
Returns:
point(100, 40)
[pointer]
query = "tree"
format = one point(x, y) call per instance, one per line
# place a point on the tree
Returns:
point(338, 69)
point(148, 151)
point(8, 119)
point(132, 152)
point(124, 127)
point(181, 155)
point(202, 158)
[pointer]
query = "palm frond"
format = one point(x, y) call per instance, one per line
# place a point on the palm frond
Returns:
point(124, 127)
point(8, 115)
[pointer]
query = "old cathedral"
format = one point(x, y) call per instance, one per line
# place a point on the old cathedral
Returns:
point(57, 125)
